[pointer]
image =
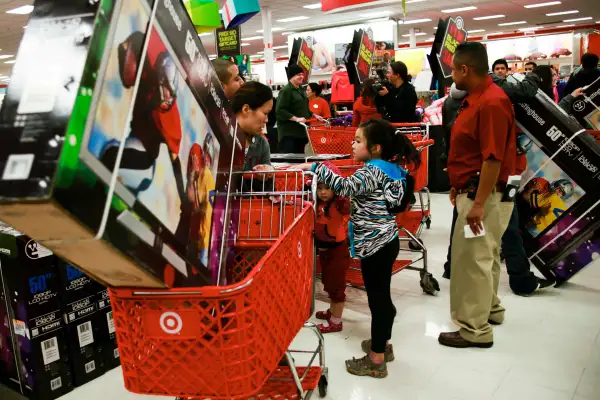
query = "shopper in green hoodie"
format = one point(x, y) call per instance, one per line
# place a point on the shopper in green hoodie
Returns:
point(292, 113)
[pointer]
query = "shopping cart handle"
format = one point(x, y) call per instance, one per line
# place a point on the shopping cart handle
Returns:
point(424, 143)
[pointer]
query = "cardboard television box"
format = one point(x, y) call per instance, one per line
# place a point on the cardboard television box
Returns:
point(587, 107)
point(79, 310)
point(120, 159)
point(9, 373)
point(32, 289)
point(561, 187)
point(107, 334)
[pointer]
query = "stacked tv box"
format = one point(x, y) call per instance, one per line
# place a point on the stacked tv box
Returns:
point(53, 334)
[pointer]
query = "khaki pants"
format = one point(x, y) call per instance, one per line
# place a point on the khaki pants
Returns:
point(476, 270)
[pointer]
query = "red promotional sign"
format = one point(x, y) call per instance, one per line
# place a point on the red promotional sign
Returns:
point(364, 58)
point(455, 35)
point(302, 55)
point(328, 5)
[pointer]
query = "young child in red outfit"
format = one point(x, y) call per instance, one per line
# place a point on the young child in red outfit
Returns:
point(333, 213)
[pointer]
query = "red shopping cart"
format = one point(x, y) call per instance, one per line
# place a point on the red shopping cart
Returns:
point(409, 225)
point(331, 139)
point(227, 342)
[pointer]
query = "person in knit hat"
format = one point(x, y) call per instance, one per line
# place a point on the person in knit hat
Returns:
point(292, 110)
point(331, 239)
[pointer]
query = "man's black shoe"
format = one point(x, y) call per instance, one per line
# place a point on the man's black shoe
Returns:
point(542, 283)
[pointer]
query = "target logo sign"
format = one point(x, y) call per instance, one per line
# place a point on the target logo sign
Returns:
point(171, 323)
point(323, 140)
point(299, 249)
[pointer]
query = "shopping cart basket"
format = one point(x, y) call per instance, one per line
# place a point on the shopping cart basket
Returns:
point(226, 342)
point(409, 225)
point(331, 139)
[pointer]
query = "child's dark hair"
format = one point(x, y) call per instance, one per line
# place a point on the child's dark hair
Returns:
point(316, 88)
point(395, 146)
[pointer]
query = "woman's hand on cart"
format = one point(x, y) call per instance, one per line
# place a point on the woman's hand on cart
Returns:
point(263, 168)
point(304, 167)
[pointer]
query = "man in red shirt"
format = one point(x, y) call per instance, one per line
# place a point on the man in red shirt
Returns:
point(481, 158)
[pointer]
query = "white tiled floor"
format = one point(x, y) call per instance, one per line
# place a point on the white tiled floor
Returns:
point(548, 348)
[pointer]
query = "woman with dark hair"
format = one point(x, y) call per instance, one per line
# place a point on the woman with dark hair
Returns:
point(377, 191)
point(364, 107)
point(251, 105)
point(317, 105)
point(398, 100)
point(549, 77)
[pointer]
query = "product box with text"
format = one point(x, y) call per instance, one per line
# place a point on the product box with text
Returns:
point(78, 295)
point(107, 334)
point(32, 288)
point(119, 159)
point(560, 189)
point(9, 373)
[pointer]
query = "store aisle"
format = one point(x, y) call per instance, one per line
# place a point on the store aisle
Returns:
point(548, 348)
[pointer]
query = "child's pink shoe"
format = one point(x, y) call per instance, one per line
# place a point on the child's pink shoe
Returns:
point(324, 315)
point(330, 327)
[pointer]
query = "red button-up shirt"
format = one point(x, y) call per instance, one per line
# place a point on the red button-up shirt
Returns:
point(484, 130)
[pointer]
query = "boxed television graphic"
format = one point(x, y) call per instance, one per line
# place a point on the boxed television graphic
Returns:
point(120, 160)
point(558, 202)
point(31, 288)
point(78, 295)
point(107, 334)
point(9, 373)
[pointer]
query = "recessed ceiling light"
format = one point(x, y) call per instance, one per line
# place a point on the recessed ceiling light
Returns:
point(566, 26)
point(550, 3)
point(5, 56)
point(598, 22)
point(512, 23)
point(274, 29)
point(562, 13)
point(530, 29)
point(21, 10)
point(10, 62)
point(416, 34)
point(252, 38)
point(245, 44)
point(453, 10)
point(414, 21)
point(489, 17)
point(205, 34)
point(287, 33)
point(577, 19)
point(313, 6)
point(476, 31)
point(292, 19)
point(431, 39)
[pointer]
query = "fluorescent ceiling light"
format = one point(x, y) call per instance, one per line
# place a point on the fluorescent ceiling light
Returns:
point(550, 3)
point(292, 19)
point(430, 39)
point(453, 10)
point(245, 44)
point(489, 17)
point(205, 34)
point(513, 23)
point(21, 10)
point(274, 29)
point(562, 13)
point(280, 47)
point(476, 31)
point(416, 34)
point(530, 29)
point(10, 62)
point(414, 21)
point(577, 19)
point(5, 56)
point(377, 14)
point(414, 1)
point(313, 6)
point(252, 38)
point(287, 33)
point(566, 26)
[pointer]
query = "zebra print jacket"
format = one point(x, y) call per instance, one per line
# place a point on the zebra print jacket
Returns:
point(373, 189)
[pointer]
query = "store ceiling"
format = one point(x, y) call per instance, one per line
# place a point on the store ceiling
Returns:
point(12, 25)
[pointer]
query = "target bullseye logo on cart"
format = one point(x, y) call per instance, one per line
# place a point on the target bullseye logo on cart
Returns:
point(171, 323)
point(299, 249)
point(323, 140)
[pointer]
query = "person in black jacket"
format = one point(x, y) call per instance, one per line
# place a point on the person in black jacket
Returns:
point(588, 73)
point(398, 101)
point(521, 280)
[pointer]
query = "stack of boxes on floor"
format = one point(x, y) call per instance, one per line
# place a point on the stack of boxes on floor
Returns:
point(56, 326)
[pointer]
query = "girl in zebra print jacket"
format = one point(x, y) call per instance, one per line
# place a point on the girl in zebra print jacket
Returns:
point(374, 190)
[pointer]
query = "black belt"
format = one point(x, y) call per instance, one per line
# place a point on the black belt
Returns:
point(500, 187)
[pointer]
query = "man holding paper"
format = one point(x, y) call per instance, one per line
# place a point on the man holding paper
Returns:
point(481, 159)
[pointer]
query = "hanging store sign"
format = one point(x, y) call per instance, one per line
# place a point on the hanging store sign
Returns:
point(455, 35)
point(228, 42)
point(364, 58)
point(302, 55)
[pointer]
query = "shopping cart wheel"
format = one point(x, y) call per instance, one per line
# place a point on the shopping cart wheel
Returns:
point(323, 386)
point(429, 284)
point(415, 245)
point(428, 223)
